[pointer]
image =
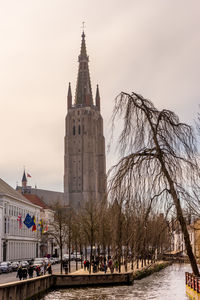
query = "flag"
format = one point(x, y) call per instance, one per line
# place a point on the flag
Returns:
point(46, 228)
point(28, 221)
point(19, 219)
point(41, 226)
point(34, 225)
point(28, 175)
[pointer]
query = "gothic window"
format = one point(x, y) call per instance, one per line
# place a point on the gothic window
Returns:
point(74, 130)
point(79, 129)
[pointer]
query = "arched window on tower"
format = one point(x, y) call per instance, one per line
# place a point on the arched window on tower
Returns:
point(79, 129)
point(74, 130)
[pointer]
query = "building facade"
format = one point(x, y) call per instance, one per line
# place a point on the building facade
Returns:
point(84, 160)
point(16, 243)
point(40, 198)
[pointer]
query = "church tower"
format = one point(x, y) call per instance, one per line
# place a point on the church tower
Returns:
point(85, 164)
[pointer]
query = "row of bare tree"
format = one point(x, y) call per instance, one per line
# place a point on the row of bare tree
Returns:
point(127, 233)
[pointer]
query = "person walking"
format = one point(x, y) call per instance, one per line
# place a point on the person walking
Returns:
point(84, 263)
point(24, 273)
point(42, 269)
point(105, 267)
point(65, 266)
point(87, 264)
point(49, 269)
point(37, 270)
point(30, 272)
point(19, 272)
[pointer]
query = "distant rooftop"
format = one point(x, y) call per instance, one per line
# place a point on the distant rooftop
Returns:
point(6, 189)
point(36, 200)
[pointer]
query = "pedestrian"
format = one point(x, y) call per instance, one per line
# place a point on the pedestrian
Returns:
point(110, 265)
point(87, 264)
point(30, 272)
point(116, 265)
point(19, 272)
point(105, 268)
point(49, 269)
point(65, 266)
point(42, 269)
point(24, 273)
point(37, 270)
point(84, 263)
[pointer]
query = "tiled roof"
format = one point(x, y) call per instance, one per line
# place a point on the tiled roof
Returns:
point(50, 198)
point(36, 200)
point(6, 189)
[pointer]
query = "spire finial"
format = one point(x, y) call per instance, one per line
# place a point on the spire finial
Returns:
point(83, 26)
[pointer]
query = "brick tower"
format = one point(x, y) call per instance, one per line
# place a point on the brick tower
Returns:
point(85, 164)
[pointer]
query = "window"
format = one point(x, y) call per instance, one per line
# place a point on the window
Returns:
point(74, 130)
point(5, 225)
point(79, 129)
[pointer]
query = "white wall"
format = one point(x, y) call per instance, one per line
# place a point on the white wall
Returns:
point(1, 230)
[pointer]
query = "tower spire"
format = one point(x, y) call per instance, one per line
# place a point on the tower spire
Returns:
point(24, 179)
point(69, 97)
point(83, 95)
point(97, 98)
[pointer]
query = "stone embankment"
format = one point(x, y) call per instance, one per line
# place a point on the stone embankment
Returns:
point(146, 271)
point(34, 288)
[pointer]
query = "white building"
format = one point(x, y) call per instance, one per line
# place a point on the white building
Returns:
point(178, 240)
point(47, 245)
point(16, 243)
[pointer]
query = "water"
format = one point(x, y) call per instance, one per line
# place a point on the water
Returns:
point(168, 284)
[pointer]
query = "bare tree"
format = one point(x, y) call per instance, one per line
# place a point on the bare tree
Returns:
point(58, 228)
point(90, 223)
point(157, 153)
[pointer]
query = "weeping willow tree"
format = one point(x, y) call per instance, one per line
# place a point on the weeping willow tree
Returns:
point(158, 158)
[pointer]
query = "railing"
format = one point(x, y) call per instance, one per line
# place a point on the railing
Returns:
point(192, 281)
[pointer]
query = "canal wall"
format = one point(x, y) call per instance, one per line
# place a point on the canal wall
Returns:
point(146, 271)
point(92, 279)
point(34, 288)
point(29, 289)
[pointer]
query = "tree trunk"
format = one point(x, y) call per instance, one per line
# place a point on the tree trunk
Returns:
point(185, 234)
point(61, 259)
point(76, 257)
point(181, 221)
point(91, 254)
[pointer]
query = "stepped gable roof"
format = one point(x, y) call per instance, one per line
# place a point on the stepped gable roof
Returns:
point(36, 200)
point(6, 189)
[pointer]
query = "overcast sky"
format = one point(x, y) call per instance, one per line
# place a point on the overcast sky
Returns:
point(151, 47)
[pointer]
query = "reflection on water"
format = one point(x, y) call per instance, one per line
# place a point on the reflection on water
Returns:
point(168, 284)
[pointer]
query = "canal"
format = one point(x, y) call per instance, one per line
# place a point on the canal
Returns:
point(168, 284)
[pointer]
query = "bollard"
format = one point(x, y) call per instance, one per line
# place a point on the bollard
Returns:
point(186, 277)
point(195, 283)
point(189, 279)
point(192, 282)
point(198, 285)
